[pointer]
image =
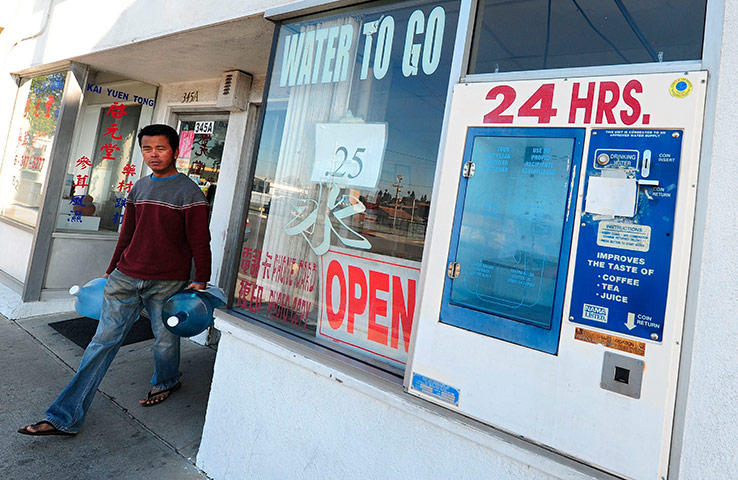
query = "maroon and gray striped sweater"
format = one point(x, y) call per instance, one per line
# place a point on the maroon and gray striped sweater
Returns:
point(164, 227)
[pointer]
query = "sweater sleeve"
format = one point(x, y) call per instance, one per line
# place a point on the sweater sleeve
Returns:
point(198, 237)
point(126, 234)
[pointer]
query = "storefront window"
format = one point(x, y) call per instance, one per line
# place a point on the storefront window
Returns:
point(541, 34)
point(26, 158)
point(105, 161)
point(341, 194)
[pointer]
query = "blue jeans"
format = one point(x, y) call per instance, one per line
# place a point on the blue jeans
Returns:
point(123, 301)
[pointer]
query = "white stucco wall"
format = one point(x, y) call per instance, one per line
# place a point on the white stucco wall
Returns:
point(710, 439)
point(113, 24)
point(278, 413)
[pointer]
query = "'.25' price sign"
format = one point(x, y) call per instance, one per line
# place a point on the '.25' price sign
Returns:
point(350, 153)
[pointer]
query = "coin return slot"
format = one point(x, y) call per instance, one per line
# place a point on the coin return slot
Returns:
point(622, 375)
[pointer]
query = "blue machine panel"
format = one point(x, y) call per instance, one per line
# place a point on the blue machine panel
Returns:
point(512, 234)
point(622, 266)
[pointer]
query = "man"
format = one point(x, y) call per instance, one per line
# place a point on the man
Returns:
point(164, 227)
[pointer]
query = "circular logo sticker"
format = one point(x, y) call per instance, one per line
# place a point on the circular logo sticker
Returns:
point(680, 88)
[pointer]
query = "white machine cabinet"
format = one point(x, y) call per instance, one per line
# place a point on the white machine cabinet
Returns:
point(554, 282)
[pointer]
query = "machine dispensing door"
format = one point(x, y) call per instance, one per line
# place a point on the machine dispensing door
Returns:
point(511, 236)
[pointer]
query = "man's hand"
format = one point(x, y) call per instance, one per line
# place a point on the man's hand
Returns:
point(197, 286)
point(106, 275)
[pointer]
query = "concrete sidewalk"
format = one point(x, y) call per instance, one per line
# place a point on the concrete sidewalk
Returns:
point(120, 439)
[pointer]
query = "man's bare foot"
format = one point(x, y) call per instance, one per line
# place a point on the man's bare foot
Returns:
point(155, 397)
point(43, 427)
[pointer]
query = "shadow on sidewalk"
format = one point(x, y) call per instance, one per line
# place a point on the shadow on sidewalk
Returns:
point(120, 438)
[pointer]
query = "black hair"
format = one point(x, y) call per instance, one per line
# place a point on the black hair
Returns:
point(160, 129)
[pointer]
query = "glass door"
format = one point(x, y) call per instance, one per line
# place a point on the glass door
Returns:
point(201, 141)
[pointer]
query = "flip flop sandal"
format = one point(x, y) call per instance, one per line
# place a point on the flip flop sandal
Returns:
point(52, 431)
point(150, 399)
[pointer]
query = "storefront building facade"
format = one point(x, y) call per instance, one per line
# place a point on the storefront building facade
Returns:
point(473, 238)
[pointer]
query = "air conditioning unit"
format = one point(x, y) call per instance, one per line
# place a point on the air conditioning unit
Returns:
point(233, 94)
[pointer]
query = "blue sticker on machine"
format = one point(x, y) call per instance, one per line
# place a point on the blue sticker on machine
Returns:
point(436, 389)
point(623, 256)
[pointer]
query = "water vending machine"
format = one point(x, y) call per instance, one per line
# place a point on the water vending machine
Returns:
point(554, 283)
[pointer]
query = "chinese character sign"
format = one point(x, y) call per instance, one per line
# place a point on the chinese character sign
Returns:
point(107, 172)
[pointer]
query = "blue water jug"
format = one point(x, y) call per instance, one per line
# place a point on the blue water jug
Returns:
point(89, 298)
point(190, 312)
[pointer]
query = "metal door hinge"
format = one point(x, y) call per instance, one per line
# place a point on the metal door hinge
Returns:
point(454, 268)
point(469, 169)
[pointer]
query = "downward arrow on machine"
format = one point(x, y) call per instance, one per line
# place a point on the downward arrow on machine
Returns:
point(631, 323)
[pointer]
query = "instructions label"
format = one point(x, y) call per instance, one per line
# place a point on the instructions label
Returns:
point(626, 236)
point(621, 274)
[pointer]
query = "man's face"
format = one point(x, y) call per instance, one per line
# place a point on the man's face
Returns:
point(158, 155)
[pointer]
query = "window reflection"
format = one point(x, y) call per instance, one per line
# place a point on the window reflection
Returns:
point(343, 178)
point(542, 34)
point(31, 136)
point(512, 226)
